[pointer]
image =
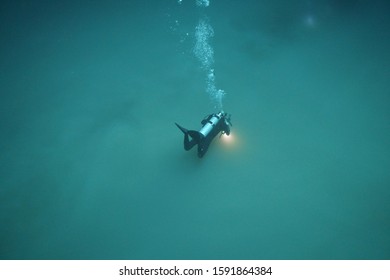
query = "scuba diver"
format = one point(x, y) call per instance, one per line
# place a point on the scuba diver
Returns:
point(211, 126)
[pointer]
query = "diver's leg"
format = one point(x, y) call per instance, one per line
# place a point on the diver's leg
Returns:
point(188, 143)
point(203, 146)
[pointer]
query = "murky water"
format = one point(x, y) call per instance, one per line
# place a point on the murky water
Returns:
point(92, 165)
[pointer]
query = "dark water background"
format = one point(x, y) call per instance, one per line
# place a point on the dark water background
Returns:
point(92, 166)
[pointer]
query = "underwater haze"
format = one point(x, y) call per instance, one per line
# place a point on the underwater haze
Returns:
point(92, 165)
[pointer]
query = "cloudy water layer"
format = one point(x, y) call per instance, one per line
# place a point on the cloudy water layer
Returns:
point(92, 165)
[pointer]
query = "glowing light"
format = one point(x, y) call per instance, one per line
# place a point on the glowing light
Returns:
point(310, 21)
point(228, 139)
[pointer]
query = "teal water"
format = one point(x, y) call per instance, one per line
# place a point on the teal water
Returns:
point(93, 167)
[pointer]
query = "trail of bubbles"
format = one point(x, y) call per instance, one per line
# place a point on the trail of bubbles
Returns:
point(215, 94)
point(203, 3)
point(203, 50)
point(205, 54)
